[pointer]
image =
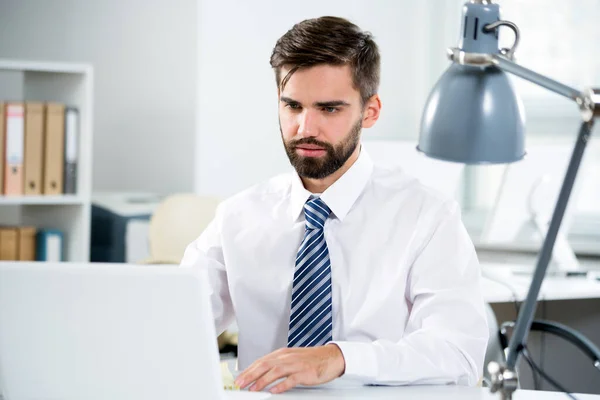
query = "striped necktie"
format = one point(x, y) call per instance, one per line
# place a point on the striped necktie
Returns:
point(310, 316)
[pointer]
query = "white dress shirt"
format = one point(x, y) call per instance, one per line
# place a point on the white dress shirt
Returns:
point(407, 303)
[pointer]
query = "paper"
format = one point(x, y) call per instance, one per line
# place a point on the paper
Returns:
point(228, 381)
point(233, 392)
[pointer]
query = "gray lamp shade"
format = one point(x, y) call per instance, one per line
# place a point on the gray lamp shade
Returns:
point(473, 116)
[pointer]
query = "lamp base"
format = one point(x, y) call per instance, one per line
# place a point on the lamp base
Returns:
point(503, 380)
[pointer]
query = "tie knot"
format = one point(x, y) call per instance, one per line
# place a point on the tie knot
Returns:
point(316, 213)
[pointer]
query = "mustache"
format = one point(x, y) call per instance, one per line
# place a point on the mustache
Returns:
point(295, 143)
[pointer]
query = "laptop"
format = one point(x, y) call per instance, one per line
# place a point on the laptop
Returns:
point(87, 331)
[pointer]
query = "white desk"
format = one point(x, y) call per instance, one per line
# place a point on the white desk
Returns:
point(419, 392)
point(501, 285)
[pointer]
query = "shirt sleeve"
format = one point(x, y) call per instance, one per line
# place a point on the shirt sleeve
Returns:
point(206, 253)
point(446, 334)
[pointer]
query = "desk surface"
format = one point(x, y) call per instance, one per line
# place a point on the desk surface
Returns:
point(501, 284)
point(419, 392)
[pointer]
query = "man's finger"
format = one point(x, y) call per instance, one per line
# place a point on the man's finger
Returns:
point(278, 371)
point(287, 384)
point(283, 351)
point(260, 366)
point(253, 372)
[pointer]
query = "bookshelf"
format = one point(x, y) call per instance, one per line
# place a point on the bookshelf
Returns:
point(71, 84)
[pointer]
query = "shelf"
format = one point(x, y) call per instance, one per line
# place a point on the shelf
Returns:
point(41, 200)
point(33, 66)
point(72, 85)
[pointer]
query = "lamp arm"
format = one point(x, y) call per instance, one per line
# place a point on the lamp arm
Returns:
point(525, 318)
point(587, 100)
point(588, 105)
point(503, 377)
point(538, 79)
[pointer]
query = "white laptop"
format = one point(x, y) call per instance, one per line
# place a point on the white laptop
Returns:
point(81, 331)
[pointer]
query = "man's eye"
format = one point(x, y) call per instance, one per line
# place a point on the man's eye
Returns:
point(293, 106)
point(330, 110)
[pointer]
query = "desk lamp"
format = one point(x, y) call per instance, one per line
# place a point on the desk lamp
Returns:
point(474, 116)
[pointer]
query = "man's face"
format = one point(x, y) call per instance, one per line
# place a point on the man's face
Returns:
point(320, 118)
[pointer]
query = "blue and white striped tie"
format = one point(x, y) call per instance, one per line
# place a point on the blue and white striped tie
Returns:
point(310, 316)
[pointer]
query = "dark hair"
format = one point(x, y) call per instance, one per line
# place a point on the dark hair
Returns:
point(329, 40)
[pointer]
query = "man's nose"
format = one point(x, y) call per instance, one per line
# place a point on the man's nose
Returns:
point(307, 124)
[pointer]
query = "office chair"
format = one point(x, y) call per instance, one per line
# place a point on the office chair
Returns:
point(176, 222)
point(499, 339)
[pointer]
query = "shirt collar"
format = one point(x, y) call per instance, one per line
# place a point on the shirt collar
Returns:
point(340, 196)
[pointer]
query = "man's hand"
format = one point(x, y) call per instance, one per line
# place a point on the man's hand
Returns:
point(300, 366)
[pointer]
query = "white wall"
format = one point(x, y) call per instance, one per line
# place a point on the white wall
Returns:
point(238, 139)
point(144, 55)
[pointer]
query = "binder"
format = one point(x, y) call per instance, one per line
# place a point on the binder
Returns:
point(13, 163)
point(49, 245)
point(54, 149)
point(71, 150)
point(26, 243)
point(34, 147)
point(8, 244)
point(2, 139)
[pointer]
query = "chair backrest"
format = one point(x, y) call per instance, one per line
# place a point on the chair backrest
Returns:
point(177, 221)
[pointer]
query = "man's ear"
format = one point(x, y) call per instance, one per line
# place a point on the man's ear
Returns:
point(371, 111)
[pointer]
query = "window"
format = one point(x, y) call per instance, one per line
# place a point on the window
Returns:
point(558, 40)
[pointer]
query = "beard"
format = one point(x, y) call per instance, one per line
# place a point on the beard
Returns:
point(335, 157)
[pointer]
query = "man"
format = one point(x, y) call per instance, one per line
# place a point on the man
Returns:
point(341, 268)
